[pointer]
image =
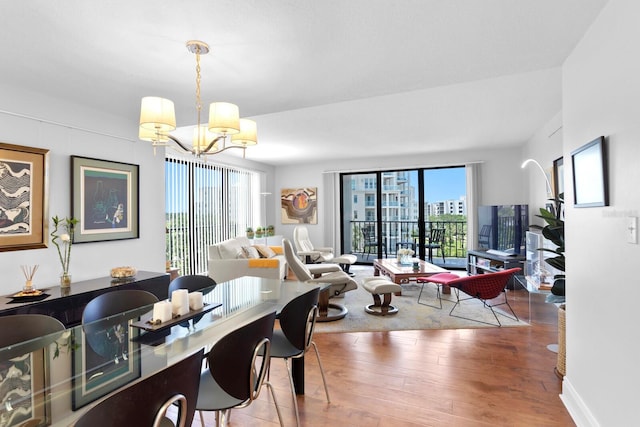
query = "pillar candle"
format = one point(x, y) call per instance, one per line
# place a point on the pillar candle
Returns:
point(180, 302)
point(162, 311)
point(195, 300)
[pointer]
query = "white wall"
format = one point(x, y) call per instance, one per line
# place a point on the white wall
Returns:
point(601, 96)
point(544, 147)
point(88, 260)
point(501, 176)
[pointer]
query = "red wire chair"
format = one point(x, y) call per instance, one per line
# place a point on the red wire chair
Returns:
point(484, 287)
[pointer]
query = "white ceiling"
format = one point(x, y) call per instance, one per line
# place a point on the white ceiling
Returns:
point(323, 79)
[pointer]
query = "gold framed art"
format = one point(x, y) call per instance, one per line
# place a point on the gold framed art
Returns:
point(24, 182)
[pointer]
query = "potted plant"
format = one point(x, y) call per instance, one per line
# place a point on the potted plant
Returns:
point(271, 230)
point(554, 231)
point(250, 233)
point(259, 232)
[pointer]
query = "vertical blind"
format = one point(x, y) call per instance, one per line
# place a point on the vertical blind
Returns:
point(205, 204)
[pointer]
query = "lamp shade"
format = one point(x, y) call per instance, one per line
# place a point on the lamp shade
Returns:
point(224, 118)
point(248, 134)
point(202, 139)
point(152, 135)
point(157, 114)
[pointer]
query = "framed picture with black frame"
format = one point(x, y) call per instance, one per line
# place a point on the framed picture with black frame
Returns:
point(106, 358)
point(558, 177)
point(590, 176)
point(105, 200)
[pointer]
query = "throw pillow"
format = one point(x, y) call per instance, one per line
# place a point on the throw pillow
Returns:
point(250, 252)
point(265, 251)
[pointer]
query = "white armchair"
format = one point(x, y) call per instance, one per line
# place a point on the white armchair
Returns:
point(339, 281)
point(305, 249)
point(312, 254)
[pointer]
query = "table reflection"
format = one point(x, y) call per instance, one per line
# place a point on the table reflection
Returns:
point(83, 364)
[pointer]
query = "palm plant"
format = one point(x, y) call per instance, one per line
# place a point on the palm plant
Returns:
point(554, 232)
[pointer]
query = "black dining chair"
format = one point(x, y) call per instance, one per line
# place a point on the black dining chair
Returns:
point(25, 328)
point(147, 402)
point(370, 242)
point(192, 283)
point(484, 235)
point(295, 336)
point(116, 302)
point(435, 241)
point(237, 368)
point(23, 334)
point(104, 316)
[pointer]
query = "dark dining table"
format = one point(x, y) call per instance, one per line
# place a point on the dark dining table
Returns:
point(72, 370)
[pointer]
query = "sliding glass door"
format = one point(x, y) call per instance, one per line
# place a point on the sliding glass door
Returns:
point(385, 210)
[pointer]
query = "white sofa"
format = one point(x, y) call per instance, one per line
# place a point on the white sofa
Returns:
point(231, 259)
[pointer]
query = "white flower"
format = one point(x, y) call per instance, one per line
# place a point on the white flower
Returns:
point(63, 240)
point(405, 251)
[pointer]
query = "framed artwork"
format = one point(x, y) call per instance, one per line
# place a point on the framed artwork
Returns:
point(106, 358)
point(24, 175)
point(105, 200)
point(558, 176)
point(27, 385)
point(589, 170)
point(299, 205)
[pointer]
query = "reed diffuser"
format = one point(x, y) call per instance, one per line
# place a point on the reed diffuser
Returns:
point(29, 271)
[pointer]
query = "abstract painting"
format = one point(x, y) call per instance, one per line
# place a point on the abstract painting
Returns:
point(299, 205)
point(23, 391)
point(23, 197)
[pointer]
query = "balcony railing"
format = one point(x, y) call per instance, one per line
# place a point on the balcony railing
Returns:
point(396, 232)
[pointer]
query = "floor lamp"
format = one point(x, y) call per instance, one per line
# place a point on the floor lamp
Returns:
point(551, 347)
point(526, 162)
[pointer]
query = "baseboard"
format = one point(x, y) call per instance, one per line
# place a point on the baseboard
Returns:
point(580, 413)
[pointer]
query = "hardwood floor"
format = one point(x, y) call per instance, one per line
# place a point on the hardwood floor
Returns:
point(470, 377)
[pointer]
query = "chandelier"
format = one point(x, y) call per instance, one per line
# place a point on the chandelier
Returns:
point(225, 129)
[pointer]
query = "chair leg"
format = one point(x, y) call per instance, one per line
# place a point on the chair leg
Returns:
point(275, 401)
point(324, 381)
point(490, 307)
point(293, 391)
point(437, 295)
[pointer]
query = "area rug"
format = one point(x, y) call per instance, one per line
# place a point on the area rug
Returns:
point(411, 315)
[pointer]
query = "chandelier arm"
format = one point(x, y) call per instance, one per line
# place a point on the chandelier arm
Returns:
point(184, 147)
point(223, 149)
point(206, 150)
point(212, 143)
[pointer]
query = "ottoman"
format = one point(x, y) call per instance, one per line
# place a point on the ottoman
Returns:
point(380, 286)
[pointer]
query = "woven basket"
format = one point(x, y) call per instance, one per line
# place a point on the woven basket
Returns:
point(561, 364)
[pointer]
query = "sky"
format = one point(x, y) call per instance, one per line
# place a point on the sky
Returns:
point(444, 184)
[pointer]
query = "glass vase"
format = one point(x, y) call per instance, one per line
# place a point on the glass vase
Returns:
point(28, 286)
point(65, 280)
point(405, 260)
